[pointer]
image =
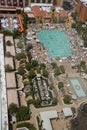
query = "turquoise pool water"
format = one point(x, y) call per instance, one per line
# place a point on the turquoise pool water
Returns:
point(78, 87)
point(56, 42)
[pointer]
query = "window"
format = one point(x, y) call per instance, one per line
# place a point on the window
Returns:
point(49, 1)
point(38, 1)
point(43, 1)
point(26, 3)
point(32, 1)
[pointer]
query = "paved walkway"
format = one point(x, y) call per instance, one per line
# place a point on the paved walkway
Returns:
point(36, 112)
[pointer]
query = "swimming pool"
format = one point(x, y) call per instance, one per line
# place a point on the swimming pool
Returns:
point(77, 87)
point(56, 42)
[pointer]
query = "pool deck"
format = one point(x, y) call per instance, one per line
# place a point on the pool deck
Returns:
point(77, 86)
point(40, 54)
point(56, 42)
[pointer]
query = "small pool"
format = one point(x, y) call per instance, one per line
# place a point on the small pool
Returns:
point(56, 42)
point(77, 87)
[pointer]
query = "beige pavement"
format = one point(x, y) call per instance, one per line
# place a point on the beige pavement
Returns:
point(36, 111)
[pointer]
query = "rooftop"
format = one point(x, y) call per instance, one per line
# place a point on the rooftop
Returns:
point(9, 60)
point(3, 96)
point(46, 116)
point(67, 112)
point(37, 12)
point(84, 1)
point(9, 38)
point(63, 13)
point(11, 50)
point(12, 96)
point(10, 80)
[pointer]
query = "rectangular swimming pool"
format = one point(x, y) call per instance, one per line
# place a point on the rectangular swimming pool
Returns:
point(77, 87)
point(56, 42)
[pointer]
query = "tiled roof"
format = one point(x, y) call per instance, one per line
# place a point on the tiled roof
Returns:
point(37, 12)
point(7, 8)
point(63, 13)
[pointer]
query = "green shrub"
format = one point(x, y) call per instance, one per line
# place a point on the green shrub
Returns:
point(73, 110)
point(20, 55)
point(12, 108)
point(67, 99)
point(29, 46)
point(8, 43)
point(23, 113)
point(8, 68)
point(60, 85)
point(54, 65)
point(32, 74)
point(45, 73)
point(21, 70)
point(62, 70)
point(34, 63)
point(42, 66)
point(57, 71)
point(54, 101)
point(8, 54)
point(27, 125)
point(30, 101)
point(28, 66)
point(20, 45)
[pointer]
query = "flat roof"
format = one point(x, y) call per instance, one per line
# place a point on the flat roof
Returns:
point(9, 60)
point(46, 116)
point(3, 96)
point(12, 96)
point(10, 80)
point(9, 38)
point(67, 112)
point(84, 2)
point(10, 49)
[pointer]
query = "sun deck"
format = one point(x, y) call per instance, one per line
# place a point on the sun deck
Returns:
point(77, 87)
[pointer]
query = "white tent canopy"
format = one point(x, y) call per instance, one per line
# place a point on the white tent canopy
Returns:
point(41, 4)
point(67, 112)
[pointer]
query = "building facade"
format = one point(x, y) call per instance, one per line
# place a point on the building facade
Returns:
point(82, 10)
point(26, 3)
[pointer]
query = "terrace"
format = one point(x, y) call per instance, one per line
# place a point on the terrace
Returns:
point(9, 61)
point(41, 90)
point(9, 23)
point(12, 96)
point(11, 80)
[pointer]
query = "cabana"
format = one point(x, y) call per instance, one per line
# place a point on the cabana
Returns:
point(37, 40)
point(67, 112)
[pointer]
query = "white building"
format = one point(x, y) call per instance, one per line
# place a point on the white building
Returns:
point(3, 96)
point(46, 116)
point(67, 112)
